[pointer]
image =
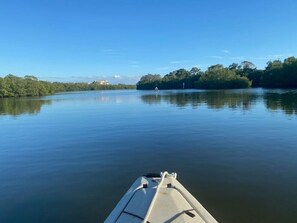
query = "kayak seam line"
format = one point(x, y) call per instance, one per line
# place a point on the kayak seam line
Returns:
point(134, 192)
point(125, 212)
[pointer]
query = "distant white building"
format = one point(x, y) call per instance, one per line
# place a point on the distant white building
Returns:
point(102, 82)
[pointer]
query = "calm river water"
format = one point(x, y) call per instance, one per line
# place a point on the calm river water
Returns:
point(71, 157)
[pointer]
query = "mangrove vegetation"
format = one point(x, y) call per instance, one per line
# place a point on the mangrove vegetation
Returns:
point(14, 86)
point(277, 74)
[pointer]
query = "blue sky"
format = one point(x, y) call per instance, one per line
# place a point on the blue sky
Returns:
point(121, 40)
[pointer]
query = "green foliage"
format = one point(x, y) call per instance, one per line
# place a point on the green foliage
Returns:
point(150, 78)
point(280, 74)
point(277, 74)
point(247, 65)
point(222, 78)
point(31, 77)
point(215, 77)
point(256, 76)
point(195, 71)
point(216, 67)
point(178, 79)
point(249, 70)
point(149, 81)
point(13, 86)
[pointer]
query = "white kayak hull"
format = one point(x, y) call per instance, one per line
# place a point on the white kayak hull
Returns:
point(156, 199)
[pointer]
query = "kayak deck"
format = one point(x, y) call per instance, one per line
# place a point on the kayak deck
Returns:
point(159, 199)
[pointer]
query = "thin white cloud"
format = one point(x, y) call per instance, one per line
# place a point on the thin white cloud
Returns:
point(279, 56)
point(134, 64)
point(162, 68)
point(87, 77)
point(54, 78)
point(109, 52)
point(271, 57)
point(237, 58)
point(259, 58)
point(226, 51)
point(176, 62)
point(227, 58)
point(216, 57)
point(113, 79)
point(125, 79)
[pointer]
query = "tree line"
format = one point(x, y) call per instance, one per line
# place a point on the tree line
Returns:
point(14, 86)
point(277, 74)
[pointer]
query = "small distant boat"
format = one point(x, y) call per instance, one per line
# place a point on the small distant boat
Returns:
point(156, 198)
point(156, 89)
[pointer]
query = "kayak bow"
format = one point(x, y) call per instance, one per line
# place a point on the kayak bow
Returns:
point(156, 198)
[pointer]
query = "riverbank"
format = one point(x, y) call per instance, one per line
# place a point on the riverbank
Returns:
point(14, 86)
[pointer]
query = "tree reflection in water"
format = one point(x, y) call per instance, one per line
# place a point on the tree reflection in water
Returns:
point(19, 106)
point(213, 99)
point(274, 100)
point(285, 100)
